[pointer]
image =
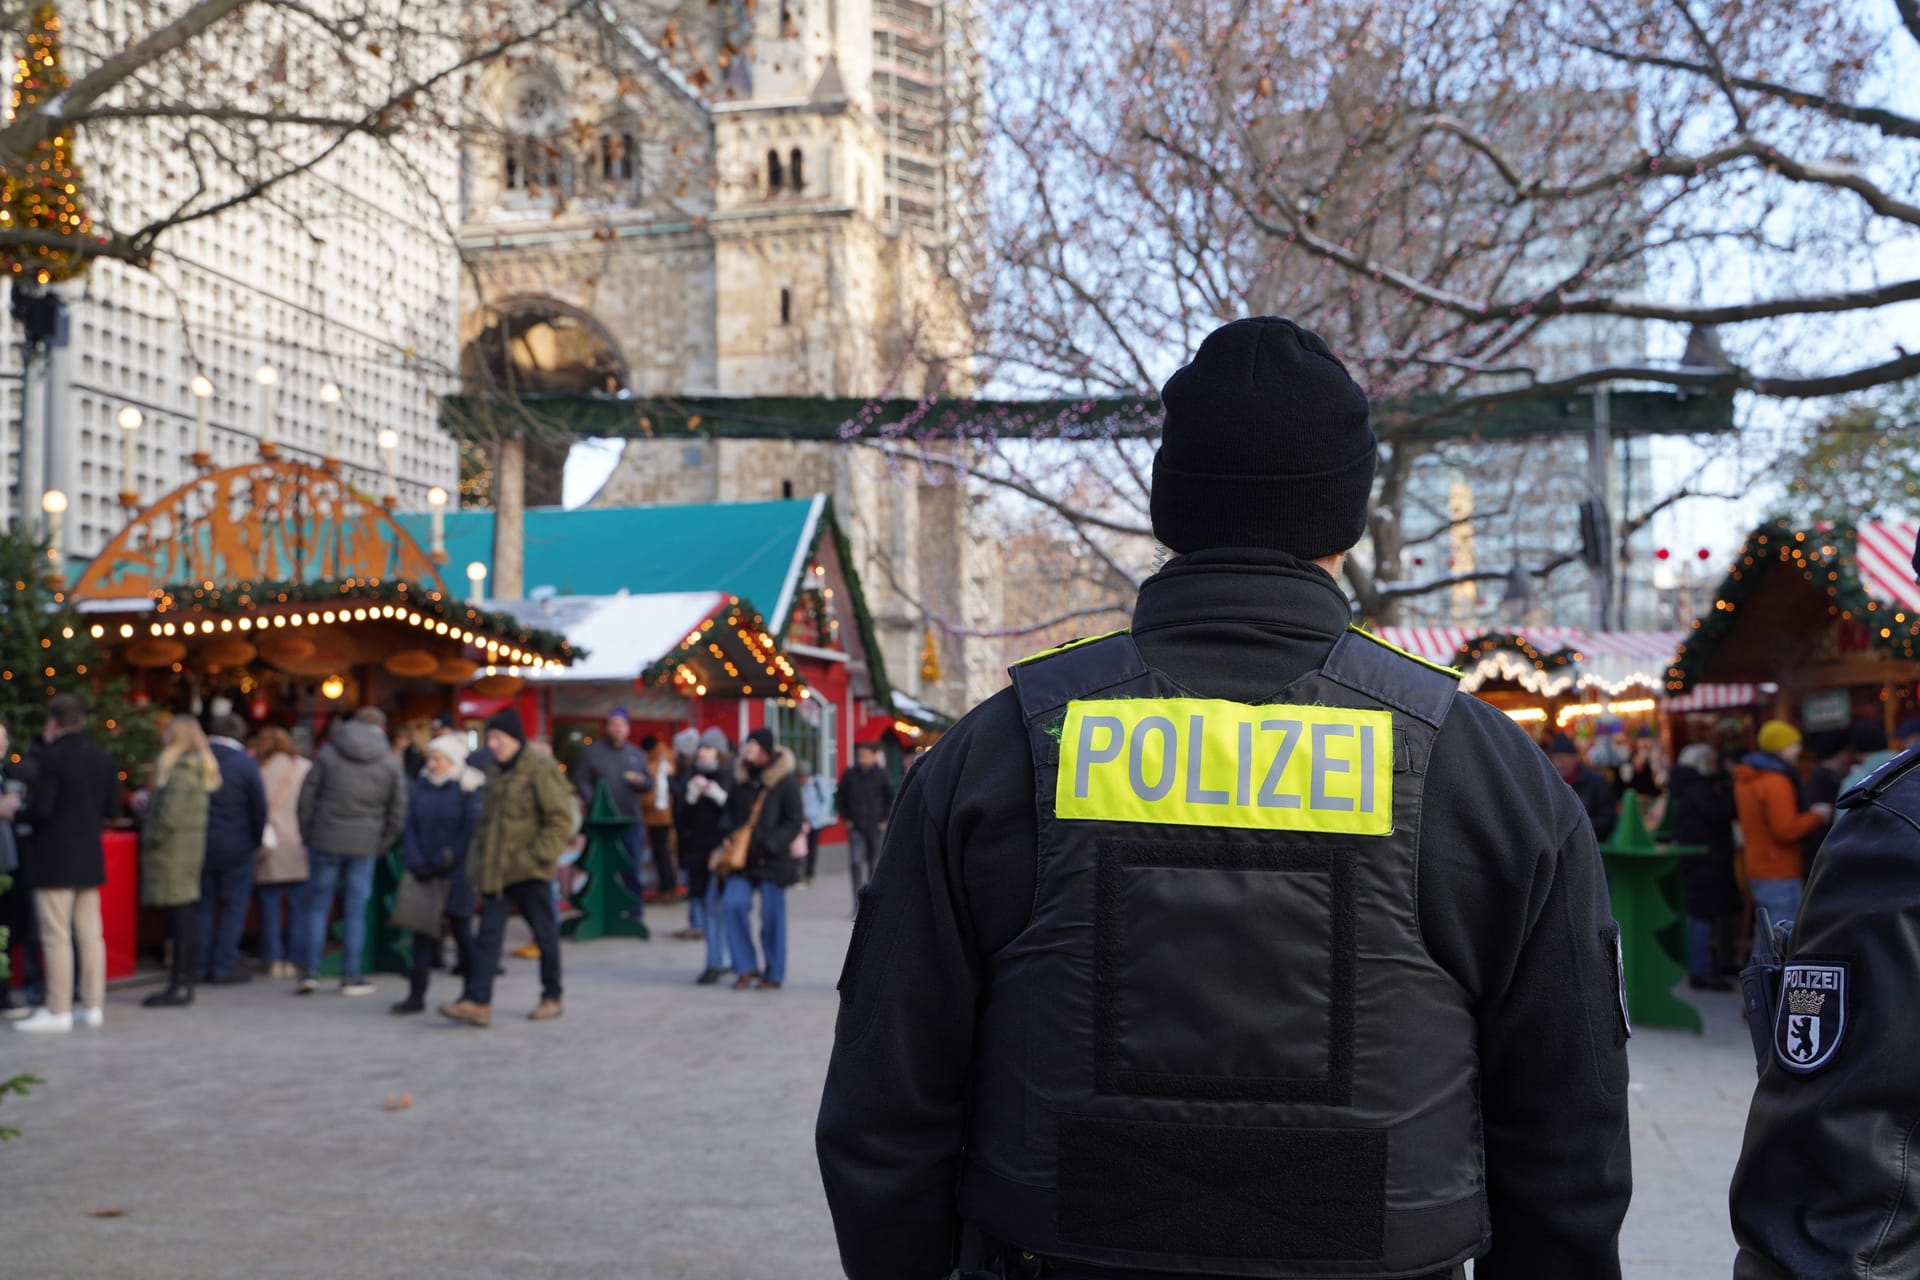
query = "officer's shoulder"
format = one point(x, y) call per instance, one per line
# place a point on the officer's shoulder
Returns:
point(1895, 784)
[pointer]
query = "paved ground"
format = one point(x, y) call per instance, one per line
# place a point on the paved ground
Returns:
point(658, 1131)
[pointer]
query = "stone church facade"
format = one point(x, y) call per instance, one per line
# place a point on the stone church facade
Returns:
point(734, 200)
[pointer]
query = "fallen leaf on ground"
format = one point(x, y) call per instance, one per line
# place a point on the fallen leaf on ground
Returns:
point(106, 1213)
point(401, 1103)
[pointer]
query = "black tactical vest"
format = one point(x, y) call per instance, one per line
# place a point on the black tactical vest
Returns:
point(1220, 1046)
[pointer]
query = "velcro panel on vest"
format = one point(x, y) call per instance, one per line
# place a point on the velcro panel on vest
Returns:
point(1223, 1191)
point(1220, 1026)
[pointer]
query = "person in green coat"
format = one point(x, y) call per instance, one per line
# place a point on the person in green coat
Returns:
point(527, 815)
point(173, 846)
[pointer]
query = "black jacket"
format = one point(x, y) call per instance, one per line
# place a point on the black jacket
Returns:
point(237, 812)
point(865, 797)
point(700, 823)
point(75, 790)
point(1597, 798)
point(1703, 814)
point(1825, 1185)
point(769, 853)
point(1511, 899)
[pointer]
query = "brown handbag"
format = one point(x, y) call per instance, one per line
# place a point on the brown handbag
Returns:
point(731, 856)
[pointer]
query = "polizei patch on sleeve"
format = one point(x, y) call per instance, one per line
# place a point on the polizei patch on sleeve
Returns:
point(1193, 762)
point(1812, 1016)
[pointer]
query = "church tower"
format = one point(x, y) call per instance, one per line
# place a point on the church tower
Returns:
point(769, 224)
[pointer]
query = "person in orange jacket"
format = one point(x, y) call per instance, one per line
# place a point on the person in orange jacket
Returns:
point(1766, 787)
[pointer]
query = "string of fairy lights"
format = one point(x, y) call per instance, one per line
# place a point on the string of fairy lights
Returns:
point(750, 629)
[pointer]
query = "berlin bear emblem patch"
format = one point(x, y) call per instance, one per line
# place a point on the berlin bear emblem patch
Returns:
point(1812, 1016)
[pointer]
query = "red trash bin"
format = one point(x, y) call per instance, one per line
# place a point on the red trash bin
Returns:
point(120, 901)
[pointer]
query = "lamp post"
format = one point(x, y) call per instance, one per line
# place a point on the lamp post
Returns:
point(266, 375)
point(202, 388)
point(476, 577)
point(54, 503)
point(130, 420)
point(437, 502)
point(330, 397)
point(389, 440)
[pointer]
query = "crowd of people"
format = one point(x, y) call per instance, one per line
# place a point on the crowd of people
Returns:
point(1759, 815)
point(239, 826)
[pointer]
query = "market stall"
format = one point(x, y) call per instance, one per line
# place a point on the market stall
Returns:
point(279, 587)
point(1821, 624)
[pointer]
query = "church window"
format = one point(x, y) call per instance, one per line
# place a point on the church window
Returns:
point(793, 167)
point(786, 306)
point(619, 159)
point(774, 173)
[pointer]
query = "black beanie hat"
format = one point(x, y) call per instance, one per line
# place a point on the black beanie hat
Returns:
point(763, 736)
point(1562, 744)
point(508, 722)
point(1266, 444)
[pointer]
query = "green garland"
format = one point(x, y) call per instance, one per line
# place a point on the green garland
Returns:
point(1826, 560)
point(243, 597)
point(1480, 647)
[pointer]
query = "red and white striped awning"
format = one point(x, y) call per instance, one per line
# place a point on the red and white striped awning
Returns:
point(1614, 660)
point(1716, 697)
point(1651, 649)
point(1886, 563)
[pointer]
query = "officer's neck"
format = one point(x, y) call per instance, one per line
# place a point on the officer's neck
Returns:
point(1240, 623)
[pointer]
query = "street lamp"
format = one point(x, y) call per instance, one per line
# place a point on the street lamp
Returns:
point(202, 388)
point(437, 500)
point(389, 440)
point(476, 576)
point(330, 397)
point(54, 503)
point(130, 420)
point(266, 375)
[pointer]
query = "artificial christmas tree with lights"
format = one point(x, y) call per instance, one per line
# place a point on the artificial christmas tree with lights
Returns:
point(41, 194)
point(47, 646)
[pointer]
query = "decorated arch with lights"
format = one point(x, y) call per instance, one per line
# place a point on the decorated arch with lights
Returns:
point(279, 586)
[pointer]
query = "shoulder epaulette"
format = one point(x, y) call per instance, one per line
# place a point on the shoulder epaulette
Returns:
point(1071, 644)
point(1453, 672)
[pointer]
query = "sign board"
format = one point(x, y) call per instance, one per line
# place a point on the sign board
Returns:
point(1827, 709)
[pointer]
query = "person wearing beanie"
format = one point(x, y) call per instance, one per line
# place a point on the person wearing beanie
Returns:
point(1595, 791)
point(443, 814)
point(699, 816)
point(717, 739)
point(764, 801)
point(1768, 791)
point(353, 807)
point(528, 813)
point(1052, 1017)
point(1833, 756)
point(614, 762)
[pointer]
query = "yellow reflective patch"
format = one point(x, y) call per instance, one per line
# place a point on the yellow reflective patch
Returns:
point(1195, 762)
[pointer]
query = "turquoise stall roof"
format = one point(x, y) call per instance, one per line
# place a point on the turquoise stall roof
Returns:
point(749, 549)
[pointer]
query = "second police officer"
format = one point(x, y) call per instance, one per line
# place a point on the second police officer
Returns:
point(1236, 944)
point(1826, 1185)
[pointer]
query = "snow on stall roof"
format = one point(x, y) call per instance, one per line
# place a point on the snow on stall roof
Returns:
point(622, 635)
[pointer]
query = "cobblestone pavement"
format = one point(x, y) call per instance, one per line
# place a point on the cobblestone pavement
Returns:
point(658, 1130)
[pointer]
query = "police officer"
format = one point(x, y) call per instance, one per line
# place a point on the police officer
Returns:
point(1237, 944)
point(1826, 1184)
